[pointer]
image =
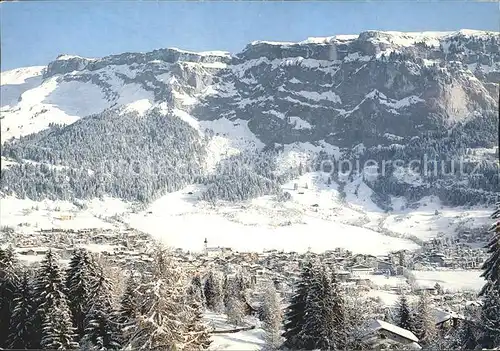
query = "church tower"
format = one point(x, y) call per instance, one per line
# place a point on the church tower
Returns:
point(205, 247)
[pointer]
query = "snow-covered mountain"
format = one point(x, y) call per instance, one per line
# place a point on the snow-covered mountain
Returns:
point(135, 126)
point(342, 89)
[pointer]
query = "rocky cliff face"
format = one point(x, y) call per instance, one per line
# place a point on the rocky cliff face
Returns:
point(372, 88)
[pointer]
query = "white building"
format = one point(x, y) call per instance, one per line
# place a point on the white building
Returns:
point(382, 335)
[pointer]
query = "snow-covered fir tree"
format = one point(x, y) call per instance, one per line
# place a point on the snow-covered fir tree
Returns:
point(425, 327)
point(271, 315)
point(197, 336)
point(324, 326)
point(405, 317)
point(79, 278)
point(214, 294)
point(21, 321)
point(196, 289)
point(163, 308)
point(490, 293)
point(101, 325)
point(58, 332)
point(490, 319)
point(129, 301)
point(50, 297)
point(235, 310)
point(465, 337)
point(491, 266)
point(8, 286)
point(295, 312)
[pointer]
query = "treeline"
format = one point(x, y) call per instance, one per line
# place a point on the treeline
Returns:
point(77, 308)
point(125, 156)
point(245, 176)
point(132, 158)
point(443, 162)
point(142, 158)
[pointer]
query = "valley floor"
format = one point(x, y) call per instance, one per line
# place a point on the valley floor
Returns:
point(317, 218)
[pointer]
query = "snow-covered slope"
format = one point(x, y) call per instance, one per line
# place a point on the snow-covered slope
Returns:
point(288, 78)
point(316, 218)
point(337, 96)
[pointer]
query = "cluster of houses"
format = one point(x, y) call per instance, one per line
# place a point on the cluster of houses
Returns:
point(449, 254)
point(129, 248)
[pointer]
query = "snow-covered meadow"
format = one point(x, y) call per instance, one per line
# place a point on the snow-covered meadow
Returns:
point(316, 218)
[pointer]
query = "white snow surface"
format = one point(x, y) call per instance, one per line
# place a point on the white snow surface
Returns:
point(403, 39)
point(51, 102)
point(15, 82)
point(30, 104)
point(378, 324)
point(236, 131)
point(261, 224)
point(49, 214)
point(241, 341)
point(317, 217)
point(451, 280)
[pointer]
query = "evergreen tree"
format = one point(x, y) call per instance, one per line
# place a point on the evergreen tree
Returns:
point(465, 337)
point(425, 327)
point(102, 328)
point(235, 311)
point(8, 286)
point(58, 332)
point(405, 318)
point(197, 335)
point(491, 266)
point(161, 322)
point(490, 319)
point(490, 310)
point(21, 326)
point(325, 325)
point(213, 292)
point(196, 289)
point(271, 315)
point(49, 292)
point(79, 278)
point(338, 317)
point(295, 313)
point(129, 301)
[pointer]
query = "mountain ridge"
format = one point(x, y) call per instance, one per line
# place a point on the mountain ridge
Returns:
point(385, 91)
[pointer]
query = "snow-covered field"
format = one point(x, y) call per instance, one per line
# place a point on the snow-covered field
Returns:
point(316, 218)
point(27, 216)
point(243, 340)
point(456, 280)
point(425, 224)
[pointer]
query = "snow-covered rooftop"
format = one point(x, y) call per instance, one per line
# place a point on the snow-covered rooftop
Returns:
point(377, 324)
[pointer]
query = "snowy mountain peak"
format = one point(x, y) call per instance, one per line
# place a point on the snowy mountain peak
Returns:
point(396, 37)
point(284, 92)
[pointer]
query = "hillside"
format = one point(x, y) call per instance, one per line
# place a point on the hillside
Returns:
point(250, 126)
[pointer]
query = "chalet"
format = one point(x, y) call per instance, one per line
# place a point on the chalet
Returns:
point(438, 258)
point(446, 319)
point(385, 266)
point(382, 335)
point(342, 276)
